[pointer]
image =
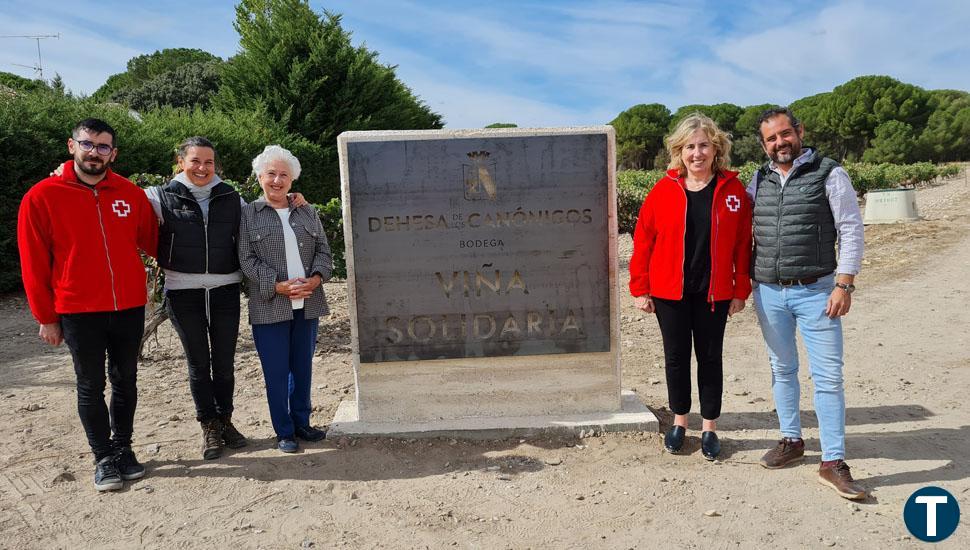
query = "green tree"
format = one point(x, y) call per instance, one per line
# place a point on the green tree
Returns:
point(143, 68)
point(747, 149)
point(20, 84)
point(189, 85)
point(894, 142)
point(639, 135)
point(747, 137)
point(306, 73)
point(57, 84)
point(843, 122)
point(724, 114)
point(820, 124)
point(502, 125)
point(946, 137)
point(747, 122)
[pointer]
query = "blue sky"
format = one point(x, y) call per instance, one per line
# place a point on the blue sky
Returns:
point(546, 63)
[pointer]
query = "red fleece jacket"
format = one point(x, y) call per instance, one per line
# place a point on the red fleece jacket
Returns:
point(79, 245)
point(657, 265)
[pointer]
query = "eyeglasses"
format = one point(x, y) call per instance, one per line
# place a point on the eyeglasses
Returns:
point(102, 148)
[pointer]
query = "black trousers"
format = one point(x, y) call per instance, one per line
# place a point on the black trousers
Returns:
point(681, 323)
point(207, 322)
point(91, 337)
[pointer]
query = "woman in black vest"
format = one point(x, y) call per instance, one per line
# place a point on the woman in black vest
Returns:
point(197, 242)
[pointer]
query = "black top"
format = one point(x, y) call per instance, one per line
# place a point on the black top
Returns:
point(697, 239)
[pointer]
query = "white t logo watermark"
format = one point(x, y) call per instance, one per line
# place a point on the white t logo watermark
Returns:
point(931, 502)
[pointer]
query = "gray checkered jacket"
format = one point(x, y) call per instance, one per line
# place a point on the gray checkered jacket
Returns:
point(262, 258)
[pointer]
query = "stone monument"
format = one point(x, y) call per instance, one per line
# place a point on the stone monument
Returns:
point(482, 283)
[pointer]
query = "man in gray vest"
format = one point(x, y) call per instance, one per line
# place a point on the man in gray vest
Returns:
point(804, 205)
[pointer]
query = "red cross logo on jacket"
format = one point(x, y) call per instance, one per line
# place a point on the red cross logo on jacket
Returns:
point(733, 203)
point(121, 208)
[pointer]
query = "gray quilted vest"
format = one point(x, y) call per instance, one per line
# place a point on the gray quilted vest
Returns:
point(794, 231)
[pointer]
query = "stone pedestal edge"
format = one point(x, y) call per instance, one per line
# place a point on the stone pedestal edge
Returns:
point(633, 416)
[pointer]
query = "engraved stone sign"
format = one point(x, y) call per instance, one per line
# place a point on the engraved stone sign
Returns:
point(481, 273)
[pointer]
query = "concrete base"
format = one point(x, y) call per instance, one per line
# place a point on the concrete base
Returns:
point(632, 416)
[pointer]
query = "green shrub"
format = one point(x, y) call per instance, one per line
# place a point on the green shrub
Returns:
point(950, 170)
point(746, 172)
point(331, 214)
point(632, 187)
point(34, 129)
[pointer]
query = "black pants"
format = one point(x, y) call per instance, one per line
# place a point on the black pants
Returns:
point(208, 327)
point(91, 337)
point(682, 321)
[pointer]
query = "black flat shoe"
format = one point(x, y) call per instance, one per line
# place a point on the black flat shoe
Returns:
point(309, 433)
point(710, 446)
point(674, 439)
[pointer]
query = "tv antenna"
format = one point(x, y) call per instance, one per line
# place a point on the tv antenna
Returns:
point(39, 67)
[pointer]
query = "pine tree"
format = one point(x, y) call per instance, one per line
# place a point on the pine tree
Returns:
point(304, 70)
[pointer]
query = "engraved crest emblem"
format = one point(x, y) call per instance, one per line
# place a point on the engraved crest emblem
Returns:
point(478, 178)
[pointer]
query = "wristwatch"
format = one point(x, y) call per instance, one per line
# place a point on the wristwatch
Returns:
point(848, 288)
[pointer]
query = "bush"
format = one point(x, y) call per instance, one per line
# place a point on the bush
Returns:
point(950, 170)
point(33, 136)
point(868, 176)
point(34, 129)
point(632, 187)
point(331, 214)
point(746, 172)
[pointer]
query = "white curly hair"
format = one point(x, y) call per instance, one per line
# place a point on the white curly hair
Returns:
point(275, 152)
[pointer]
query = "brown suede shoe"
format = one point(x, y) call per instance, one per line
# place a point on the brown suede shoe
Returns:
point(838, 477)
point(784, 453)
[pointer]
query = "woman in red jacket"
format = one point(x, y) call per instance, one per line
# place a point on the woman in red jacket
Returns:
point(691, 253)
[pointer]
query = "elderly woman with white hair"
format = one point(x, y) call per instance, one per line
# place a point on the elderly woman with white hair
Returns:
point(284, 254)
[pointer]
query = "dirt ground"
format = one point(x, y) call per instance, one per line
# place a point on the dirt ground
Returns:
point(907, 374)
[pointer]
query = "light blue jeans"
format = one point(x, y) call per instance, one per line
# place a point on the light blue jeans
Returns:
point(780, 310)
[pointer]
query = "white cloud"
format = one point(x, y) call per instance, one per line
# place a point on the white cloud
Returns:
point(470, 107)
point(550, 63)
point(806, 55)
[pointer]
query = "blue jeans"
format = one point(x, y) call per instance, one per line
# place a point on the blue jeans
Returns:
point(780, 310)
point(286, 352)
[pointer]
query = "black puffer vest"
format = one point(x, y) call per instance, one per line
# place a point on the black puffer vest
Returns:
point(794, 231)
point(190, 244)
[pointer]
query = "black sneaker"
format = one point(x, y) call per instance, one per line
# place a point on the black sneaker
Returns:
point(106, 475)
point(128, 465)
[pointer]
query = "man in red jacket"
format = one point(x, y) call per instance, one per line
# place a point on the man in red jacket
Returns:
point(79, 234)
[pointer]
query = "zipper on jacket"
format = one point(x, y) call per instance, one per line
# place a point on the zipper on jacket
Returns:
point(683, 242)
point(716, 220)
point(781, 202)
point(205, 234)
point(171, 248)
point(104, 236)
